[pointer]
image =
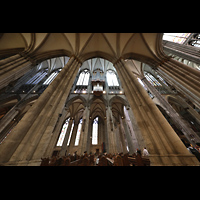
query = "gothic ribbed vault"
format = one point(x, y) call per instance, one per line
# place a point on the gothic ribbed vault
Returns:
point(111, 46)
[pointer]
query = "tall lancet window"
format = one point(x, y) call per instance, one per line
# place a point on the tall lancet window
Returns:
point(83, 78)
point(51, 77)
point(82, 83)
point(78, 133)
point(95, 131)
point(63, 132)
point(111, 78)
point(151, 79)
point(70, 134)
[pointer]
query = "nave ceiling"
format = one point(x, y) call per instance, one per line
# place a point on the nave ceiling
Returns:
point(111, 46)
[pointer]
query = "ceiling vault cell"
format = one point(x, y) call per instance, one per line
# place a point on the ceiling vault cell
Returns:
point(110, 46)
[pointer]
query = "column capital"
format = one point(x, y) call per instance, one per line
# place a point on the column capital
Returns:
point(118, 60)
point(27, 57)
point(76, 58)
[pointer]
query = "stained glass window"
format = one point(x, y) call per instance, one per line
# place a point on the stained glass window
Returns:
point(78, 133)
point(195, 43)
point(142, 84)
point(95, 131)
point(70, 134)
point(33, 78)
point(83, 78)
point(50, 78)
point(149, 93)
point(63, 132)
point(151, 79)
point(162, 80)
point(37, 78)
point(111, 78)
point(176, 37)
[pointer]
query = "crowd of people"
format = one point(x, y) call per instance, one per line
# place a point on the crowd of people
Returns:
point(195, 150)
point(94, 159)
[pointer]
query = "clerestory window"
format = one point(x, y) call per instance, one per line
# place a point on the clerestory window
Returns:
point(176, 37)
point(82, 83)
point(111, 78)
point(151, 79)
point(83, 78)
point(195, 43)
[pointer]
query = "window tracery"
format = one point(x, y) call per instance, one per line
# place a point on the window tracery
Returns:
point(176, 37)
point(63, 132)
point(78, 133)
point(70, 134)
point(83, 78)
point(195, 43)
point(51, 78)
point(82, 83)
point(95, 131)
point(195, 40)
point(111, 78)
point(151, 79)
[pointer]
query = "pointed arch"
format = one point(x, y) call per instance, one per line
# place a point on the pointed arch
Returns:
point(118, 98)
point(81, 99)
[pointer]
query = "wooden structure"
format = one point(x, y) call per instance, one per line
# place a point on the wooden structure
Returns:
point(104, 160)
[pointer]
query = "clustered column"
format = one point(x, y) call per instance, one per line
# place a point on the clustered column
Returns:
point(164, 145)
point(84, 136)
point(182, 50)
point(13, 68)
point(173, 114)
point(185, 79)
point(30, 138)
